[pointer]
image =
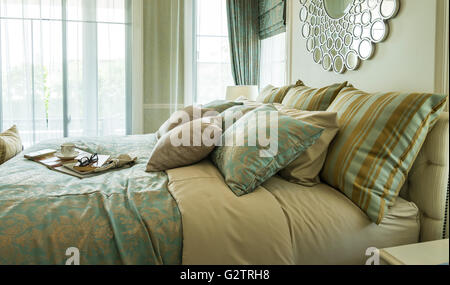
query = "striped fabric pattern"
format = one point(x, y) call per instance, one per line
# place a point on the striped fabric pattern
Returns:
point(272, 94)
point(380, 136)
point(10, 144)
point(311, 99)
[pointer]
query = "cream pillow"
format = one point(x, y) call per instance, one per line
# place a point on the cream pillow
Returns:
point(306, 168)
point(183, 116)
point(175, 150)
point(10, 144)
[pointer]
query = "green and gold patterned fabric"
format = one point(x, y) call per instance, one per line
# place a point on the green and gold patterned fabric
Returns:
point(312, 99)
point(120, 217)
point(380, 136)
point(10, 144)
point(245, 47)
point(248, 165)
point(272, 18)
point(272, 94)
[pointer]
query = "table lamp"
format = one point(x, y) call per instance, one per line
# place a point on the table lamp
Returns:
point(238, 92)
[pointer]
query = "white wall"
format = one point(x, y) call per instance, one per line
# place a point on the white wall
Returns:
point(405, 61)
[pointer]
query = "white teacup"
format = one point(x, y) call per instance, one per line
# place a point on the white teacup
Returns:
point(67, 149)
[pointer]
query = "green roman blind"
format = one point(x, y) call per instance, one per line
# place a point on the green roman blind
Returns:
point(272, 18)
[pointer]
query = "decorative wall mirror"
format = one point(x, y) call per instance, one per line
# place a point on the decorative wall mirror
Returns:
point(341, 33)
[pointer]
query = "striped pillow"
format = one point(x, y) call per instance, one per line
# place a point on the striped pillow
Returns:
point(10, 144)
point(311, 99)
point(271, 94)
point(380, 137)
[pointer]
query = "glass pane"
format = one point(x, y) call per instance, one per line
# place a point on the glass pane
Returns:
point(273, 61)
point(213, 49)
point(213, 79)
point(213, 52)
point(111, 11)
point(17, 83)
point(47, 71)
point(211, 17)
point(97, 10)
point(111, 79)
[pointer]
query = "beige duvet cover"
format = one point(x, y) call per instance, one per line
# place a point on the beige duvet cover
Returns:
point(279, 223)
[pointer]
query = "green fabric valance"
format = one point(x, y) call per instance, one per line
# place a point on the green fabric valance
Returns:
point(272, 18)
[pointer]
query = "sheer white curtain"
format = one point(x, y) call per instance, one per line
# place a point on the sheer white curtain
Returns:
point(163, 61)
point(213, 61)
point(273, 61)
point(64, 67)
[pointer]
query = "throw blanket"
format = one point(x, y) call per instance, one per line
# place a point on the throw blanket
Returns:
point(121, 217)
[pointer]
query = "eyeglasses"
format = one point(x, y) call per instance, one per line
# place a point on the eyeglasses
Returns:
point(86, 161)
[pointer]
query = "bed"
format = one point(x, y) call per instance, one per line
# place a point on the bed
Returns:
point(189, 216)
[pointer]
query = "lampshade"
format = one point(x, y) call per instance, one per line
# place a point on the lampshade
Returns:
point(248, 91)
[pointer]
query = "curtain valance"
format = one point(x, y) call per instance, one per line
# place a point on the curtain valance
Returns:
point(272, 18)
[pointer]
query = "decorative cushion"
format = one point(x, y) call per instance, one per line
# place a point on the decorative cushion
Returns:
point(10, 144)
point(183, 116)
point(306, 168)
point(272, 94)
point(245, 166)
point(175, 150)
point(311, 99)
point(231, 115)
point(379, 139)
point(221, 105)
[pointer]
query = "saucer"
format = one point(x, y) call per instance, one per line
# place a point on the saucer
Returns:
point(67, 157)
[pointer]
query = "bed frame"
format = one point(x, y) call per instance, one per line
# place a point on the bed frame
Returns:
point(428, 181)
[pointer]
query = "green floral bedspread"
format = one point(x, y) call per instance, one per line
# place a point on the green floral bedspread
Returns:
point(121, 217)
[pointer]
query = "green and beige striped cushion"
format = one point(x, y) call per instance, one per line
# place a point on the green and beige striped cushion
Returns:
point(379, 139)
point(271, 94)
point(312, 99)
point(10, 144)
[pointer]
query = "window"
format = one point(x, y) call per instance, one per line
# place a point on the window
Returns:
point(273, 61)
point(213, 64)
point(65, 68)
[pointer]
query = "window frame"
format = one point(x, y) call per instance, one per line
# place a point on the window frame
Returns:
point(65, 110)
point(195, 36)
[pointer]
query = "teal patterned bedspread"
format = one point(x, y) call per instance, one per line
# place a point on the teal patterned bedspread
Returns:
point(121, 217)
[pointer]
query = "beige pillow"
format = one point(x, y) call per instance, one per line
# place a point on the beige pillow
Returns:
point(183, 116)
point(175, 150)
point(10, 144)
point(272, 94)
point(306, 168)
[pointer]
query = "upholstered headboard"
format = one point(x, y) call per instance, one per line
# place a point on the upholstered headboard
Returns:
point(427, 184)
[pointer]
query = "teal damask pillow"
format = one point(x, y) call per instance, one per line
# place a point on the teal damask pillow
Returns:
point(221, 105)
point(233, 114)
point(260, 144)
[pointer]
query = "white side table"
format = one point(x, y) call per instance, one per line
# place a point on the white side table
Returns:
point(427, 253)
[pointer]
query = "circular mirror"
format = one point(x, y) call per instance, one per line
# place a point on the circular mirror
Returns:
point(338, 65)
point(378, 31)
point(357, 31)
point(337, 8)
point(317, 55)
point(305, 30)
point(310, 44)
point(366, 17)
point(388, 8)
point(348, 39)
point(338, 44)
point(372, 4)
point(365, 49)
point(326, 62)
point(352, 60)
point(340, 34)
point(303, 14)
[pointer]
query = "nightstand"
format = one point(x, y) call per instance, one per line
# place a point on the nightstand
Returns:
point(427, 253)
